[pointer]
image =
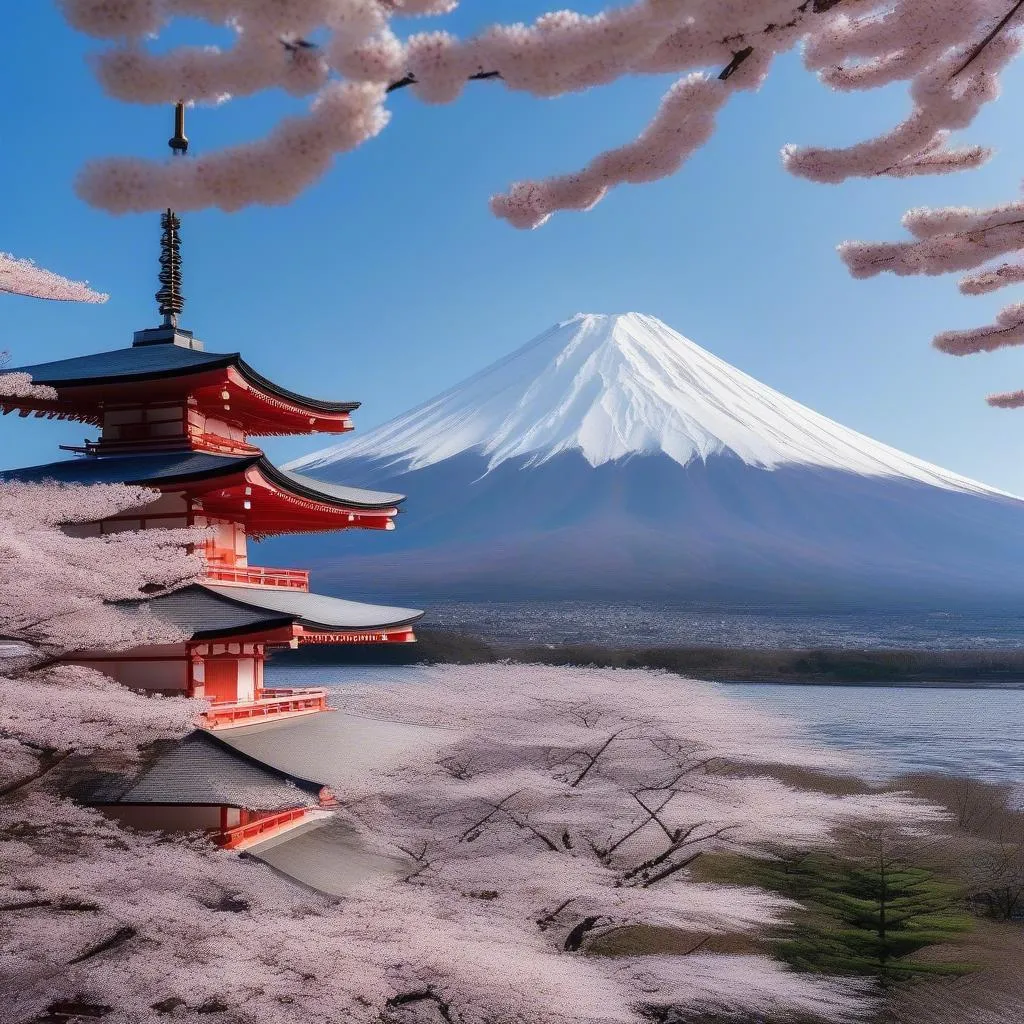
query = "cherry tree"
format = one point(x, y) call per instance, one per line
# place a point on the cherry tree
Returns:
point(571, 803)
point(349, 55)
point(23, 277)
point(60, 594)
point(532, 832)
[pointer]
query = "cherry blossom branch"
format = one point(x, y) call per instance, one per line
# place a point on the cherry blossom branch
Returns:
point(49, 762)
point(23, 277)
point(119, 938)
point(978, 50)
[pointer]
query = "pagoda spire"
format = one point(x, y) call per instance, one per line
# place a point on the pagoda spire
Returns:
point(170, 298)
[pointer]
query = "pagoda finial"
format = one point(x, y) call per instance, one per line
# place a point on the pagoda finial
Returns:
point(170, 299)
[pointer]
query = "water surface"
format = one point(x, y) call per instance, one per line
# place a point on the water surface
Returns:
point(958, 731)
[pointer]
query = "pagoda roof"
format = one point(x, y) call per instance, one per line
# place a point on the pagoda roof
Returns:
point(202, 770)
point(328, 855)
point(153, 362)
point(206, 612)
point(189, 466)
point(351, 745)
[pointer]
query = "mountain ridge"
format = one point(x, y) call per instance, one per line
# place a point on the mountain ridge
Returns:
point(615, 385)
point(611, 457)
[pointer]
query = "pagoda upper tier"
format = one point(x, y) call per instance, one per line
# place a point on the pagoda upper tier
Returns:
point(165, 391)
point(248, 490)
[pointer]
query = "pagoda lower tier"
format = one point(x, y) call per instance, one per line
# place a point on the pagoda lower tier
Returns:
point(202, 784)
point(227, 632)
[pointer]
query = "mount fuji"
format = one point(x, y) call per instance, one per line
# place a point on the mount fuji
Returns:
point(612, 458)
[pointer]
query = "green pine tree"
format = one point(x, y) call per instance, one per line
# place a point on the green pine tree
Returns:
point(867, 916)
point(862, 915)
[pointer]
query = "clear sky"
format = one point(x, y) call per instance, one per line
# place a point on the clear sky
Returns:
point(390, 280)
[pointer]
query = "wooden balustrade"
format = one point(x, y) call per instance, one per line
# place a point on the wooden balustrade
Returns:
point(269, 704)
point(247, 834)
point(258, 576)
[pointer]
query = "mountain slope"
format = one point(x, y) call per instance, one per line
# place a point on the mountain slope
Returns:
point(612, 386)
point(612, 457)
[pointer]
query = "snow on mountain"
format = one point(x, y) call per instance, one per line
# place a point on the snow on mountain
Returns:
point(611, 458)
point(609, 386)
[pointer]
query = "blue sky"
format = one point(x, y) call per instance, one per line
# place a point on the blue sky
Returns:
point(390, 280)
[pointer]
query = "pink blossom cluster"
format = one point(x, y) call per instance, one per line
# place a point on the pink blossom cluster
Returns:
point(19, 385)
point(957, 239)
point(716, 48)
point(58, 591)
point(23, 277)
point(925, 44)
point(272, 171)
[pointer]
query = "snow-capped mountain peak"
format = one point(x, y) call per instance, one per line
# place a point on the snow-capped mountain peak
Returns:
point(611, 386)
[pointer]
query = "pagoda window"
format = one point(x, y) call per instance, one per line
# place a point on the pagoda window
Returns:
point(169, 512)
point(246, 679)
point(168, 817)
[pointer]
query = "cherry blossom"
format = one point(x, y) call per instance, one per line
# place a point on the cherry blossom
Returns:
point(350, 55)
point(715, 49)
point(23, 277)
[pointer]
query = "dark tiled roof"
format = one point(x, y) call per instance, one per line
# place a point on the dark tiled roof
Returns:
point(202, 770)
point(133, 469)
point(146, 362)
point(207, 611)
point(202, 614)
point(357, 497)
point(165, 468)
point(126, 363)
point(318, 610)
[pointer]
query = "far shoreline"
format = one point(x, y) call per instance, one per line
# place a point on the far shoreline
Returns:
point(911, 669)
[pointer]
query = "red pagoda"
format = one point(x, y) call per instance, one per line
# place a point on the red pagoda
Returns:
point(178, 419)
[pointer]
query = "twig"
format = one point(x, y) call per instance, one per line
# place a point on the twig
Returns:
point(980, 48)
point(119, 938)
point(48, 765)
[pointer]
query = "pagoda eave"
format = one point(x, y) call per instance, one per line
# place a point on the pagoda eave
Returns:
point(400, 635)
point(291, 635)
point(50, 410)
point(222, 390)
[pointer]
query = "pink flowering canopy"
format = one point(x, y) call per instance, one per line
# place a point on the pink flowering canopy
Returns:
point(543, 809)
point(23, 277)
point(348, 55)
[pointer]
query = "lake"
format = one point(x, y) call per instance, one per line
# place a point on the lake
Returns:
point(958, 731)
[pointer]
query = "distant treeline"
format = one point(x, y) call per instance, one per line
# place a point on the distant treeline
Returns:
point(735, 664)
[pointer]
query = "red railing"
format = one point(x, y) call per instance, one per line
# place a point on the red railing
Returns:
point(269, 704)
point(258, 576)
point(224, 445)
point(232, 838)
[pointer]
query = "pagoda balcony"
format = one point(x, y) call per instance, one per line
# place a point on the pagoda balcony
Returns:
point(268, 706)
point(264, 827)
point(194, 441)
point(258, 576)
